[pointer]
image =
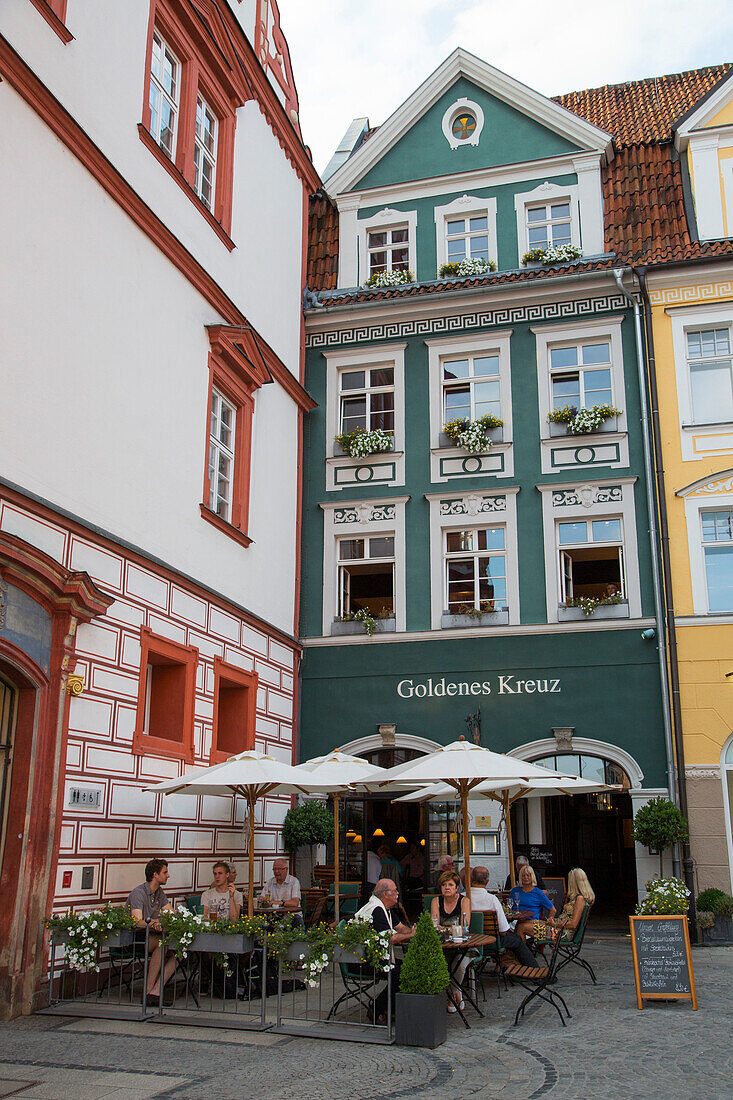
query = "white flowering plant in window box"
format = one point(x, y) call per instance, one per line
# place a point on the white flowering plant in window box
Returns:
point(553, 254)
point(582, 421)
point(473, 435)
point(360, 443)
point(84, 933)
point(664, 897)
point(588, 604)
point(465, 268)
point(381, 280)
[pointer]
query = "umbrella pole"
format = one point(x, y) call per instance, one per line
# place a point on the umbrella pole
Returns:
point(466, 857)
point(336, 854)
point(509, 842)
point(251, 799)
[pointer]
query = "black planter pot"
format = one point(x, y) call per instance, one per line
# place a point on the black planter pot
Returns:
point(720, 934)
point(420, 1019)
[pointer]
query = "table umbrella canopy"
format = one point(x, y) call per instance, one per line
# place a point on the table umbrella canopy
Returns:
point(252, 775)
point(464, 766)
point(333, 774)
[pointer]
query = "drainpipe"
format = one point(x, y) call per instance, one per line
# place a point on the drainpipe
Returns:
point(651, 507)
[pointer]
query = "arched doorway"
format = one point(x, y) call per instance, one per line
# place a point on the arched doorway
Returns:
point(593, 831)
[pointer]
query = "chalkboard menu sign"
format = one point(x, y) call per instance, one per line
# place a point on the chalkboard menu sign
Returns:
point(662, 960)
point(555, 890)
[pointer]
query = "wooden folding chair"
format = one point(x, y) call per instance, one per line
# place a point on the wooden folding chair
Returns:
point(538, 979)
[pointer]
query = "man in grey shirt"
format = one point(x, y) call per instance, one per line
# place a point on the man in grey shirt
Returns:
point(146, 903)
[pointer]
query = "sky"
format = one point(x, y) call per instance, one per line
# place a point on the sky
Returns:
point(353, 59)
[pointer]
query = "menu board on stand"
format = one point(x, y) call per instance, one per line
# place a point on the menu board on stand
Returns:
point(662, 959)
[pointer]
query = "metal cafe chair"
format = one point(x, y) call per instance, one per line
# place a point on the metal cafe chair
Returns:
point(360, 982)
point(570, 949)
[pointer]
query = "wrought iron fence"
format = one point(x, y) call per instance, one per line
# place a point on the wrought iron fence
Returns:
point(115, 989)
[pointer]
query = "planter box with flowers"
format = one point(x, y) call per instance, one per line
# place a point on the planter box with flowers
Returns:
point(573, 421)
point(386, 280)
point(585, 607)
point(185, 931)
point(466, 269)
point(360, 443)
point(476, 436)
point(83, 934)
point(465, 615)
point(314, 949)
point(546, 257)
point(361, 622)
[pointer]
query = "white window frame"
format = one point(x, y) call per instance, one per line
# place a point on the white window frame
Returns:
point(379, 355)
point(387, 219)
point(589, 508)
point(175, 103)
point(564, 547)
point(698, 440)
point(474, 555)
point(472, 518)
point(366, 391)
point(458, 347)
point(549, 336)
point(204, 154)
point(343, 563)
point(471, 380)
point(466, 206)
point(366, 523)
point(580, 369)
point(714, 494)
point(221, 449)
point(547, 193)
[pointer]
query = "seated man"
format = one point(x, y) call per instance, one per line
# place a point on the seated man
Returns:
point(283, 888)
point(483, 902)
point(377, 910)
point(520, 862)
point(222, 901)
point(146, 903)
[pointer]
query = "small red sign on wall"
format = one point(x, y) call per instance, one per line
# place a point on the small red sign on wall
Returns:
point(66, 880)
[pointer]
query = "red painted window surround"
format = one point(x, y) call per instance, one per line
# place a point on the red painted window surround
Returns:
point(170, 722)
point(235, 707)
point(210, 68)
point(237, 368)
point(54, 12)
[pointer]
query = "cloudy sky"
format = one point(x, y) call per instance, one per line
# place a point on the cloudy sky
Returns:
point(352, 59)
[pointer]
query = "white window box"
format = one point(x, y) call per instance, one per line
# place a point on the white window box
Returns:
point(610, 425)
point(341, 452)
point(449, 621)
point(496, 435)
point(605, 611)
point(381, 626)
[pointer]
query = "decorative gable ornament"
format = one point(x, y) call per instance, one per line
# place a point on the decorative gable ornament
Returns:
point(462, 123)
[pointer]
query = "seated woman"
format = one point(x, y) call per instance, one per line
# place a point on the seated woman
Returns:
point(528, 898)
point(447, 909)
point(579, 892)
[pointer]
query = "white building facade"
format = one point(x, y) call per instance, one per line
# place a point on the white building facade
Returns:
point(152, 212)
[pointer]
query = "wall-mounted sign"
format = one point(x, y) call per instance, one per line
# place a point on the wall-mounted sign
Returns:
point(507, 684)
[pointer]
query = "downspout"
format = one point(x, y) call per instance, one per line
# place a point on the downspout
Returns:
point(659, 611)
point(687, 861)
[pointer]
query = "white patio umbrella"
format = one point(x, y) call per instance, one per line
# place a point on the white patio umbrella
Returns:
point(507, 794)
point(464, 766)
point(333, 774)
point(252, 775)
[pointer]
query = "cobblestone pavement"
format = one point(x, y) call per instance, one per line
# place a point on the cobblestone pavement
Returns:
point(608, 1049)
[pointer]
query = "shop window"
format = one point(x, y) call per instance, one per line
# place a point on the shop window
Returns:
point(580, 375)
point(717, 542)
point(366, 572)
point(710, 367)
point(164, 720)
point(471, 387)
point(235, 706)
point(367, 399)
point(591, 559)
point(475, 570)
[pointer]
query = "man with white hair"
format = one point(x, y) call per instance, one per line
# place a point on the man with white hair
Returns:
point(283, 889)
point(377, 910)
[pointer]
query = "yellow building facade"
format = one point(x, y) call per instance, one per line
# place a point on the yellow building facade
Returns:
point(692, 325)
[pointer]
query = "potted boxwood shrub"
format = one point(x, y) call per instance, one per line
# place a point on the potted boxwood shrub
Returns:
point(715, 916)
point(420, 1008)
point(306, 825)
point(660, 825)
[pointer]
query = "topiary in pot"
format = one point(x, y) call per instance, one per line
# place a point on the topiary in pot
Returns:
point(306, 825)
point(659, 825)
point(420, 1004)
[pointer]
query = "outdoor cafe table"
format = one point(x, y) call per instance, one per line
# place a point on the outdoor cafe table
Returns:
point(460, 949)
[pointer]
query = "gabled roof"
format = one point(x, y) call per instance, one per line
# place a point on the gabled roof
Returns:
point(643, 111)
point(545, 111)
point(700, 114)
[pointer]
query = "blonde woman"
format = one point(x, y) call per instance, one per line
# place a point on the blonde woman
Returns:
point(530, 900)
point(579, 892)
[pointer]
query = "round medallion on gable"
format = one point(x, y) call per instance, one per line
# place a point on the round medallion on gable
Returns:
point(462, 123)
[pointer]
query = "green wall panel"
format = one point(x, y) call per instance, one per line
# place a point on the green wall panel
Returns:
point(508, 137)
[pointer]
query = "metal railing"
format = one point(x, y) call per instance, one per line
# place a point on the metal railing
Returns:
point(116, 989)
point(348, 1001)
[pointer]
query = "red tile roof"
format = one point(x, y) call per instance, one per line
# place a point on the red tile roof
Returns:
point(645, 219)
point(643, 111)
